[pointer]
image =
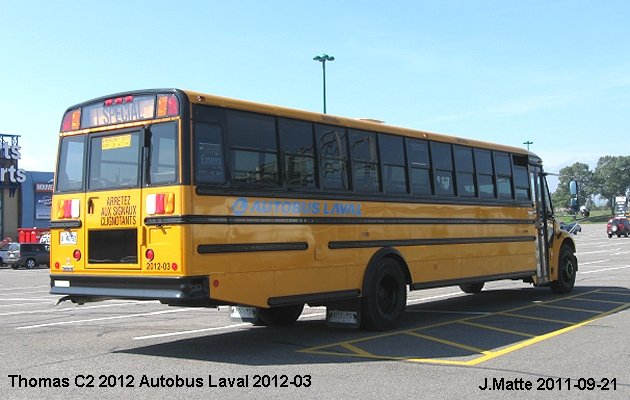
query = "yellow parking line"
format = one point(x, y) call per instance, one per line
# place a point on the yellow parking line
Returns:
point(570, 308)
point(540, 338)
point(615, 293)
point(485, 354)
point(600, 301)
point(358, 351)
point(447, 342)
point(494, 328)
point(535, 318)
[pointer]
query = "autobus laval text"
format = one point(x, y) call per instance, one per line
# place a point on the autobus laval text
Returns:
point(198, 200)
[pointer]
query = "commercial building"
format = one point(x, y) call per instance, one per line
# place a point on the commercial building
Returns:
point(25, 196)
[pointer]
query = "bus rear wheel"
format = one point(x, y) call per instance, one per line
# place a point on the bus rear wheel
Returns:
point(385, 297)
point(279, 316)
point(471, 287)
point(567, 268)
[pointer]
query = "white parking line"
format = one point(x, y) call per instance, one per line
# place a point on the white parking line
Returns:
point(580, 253)
point(605, 269)
point(593, 262)
point(28, 299)
point(25, 304)
point(3, 289)
point(13, 294)
point(424, 299)
point(214, 329)
point(105, 318)
point(51, 310)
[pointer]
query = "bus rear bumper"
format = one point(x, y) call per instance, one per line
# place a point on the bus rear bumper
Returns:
point(184, 291)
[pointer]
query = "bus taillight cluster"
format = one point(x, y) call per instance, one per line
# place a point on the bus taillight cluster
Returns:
point(68, 209)
point(160, 203)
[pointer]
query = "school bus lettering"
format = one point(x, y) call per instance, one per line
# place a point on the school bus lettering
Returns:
point(118, 211)
point(296, 208)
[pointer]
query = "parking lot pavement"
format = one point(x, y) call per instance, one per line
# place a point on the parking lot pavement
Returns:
point(449, 344)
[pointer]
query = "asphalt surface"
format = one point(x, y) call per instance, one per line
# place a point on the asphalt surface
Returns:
point(520, 341)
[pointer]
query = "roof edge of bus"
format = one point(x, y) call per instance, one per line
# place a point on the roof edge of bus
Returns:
point(128, 92)
point(247, 105)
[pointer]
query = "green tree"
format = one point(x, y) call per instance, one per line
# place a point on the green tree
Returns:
point(584, 176)
point(612, 177)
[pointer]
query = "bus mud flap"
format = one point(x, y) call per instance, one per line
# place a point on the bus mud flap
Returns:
point(344, 314)
point(243, 314)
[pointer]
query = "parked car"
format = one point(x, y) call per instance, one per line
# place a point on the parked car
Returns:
point(4, 248)
point(571, 227)
point(28, 255)
point(618, 226)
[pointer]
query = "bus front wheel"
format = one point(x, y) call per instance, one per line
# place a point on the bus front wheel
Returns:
point(385, 297)
point(279, 316)
point(567, 268)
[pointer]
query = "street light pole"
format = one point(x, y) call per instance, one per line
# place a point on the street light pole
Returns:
point(322, 59)
point(527, 143)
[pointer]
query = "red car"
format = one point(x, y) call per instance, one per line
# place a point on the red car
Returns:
point(618, 226)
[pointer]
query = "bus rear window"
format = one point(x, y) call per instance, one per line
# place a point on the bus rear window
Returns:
point(70, 167)
point(114, 161)
point(163, 162)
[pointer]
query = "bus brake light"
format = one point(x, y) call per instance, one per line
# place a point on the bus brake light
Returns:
point(168, 106)
point(68, 209)
point(160, 203)
point(71, 121)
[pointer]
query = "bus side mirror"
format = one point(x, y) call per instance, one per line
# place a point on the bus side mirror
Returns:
point(574, 202)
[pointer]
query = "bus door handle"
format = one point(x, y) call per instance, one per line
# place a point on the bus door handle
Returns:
point(90, 205)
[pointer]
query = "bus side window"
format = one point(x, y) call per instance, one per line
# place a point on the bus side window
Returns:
point(442, 157)
point(333, 156)
point(365, 171)
point(503, 168)
point(521, 178)
point(485, 173)
point(420, 167)
point(465, 171)
point(394, 164)
point(296, 138)
point(209, 161)
point(253, 149)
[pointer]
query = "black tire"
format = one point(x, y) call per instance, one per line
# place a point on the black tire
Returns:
point(567, 269)
point(472, 287)
point(609, 236)
point(30, 263)
point(385, 297)
point(15, 266)
point(279, 316)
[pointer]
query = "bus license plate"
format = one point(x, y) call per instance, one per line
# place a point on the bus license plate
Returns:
point(68, 238)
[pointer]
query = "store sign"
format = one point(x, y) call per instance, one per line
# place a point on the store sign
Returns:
point(43, 200)
point(10, 174)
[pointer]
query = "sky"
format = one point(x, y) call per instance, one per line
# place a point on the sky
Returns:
point(556, 73)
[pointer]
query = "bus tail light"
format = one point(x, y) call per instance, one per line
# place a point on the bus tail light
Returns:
point(168, 105)
point(150, 255)
point(77, 254)
point(160, 203)
point(68, 209)
point(71, 121)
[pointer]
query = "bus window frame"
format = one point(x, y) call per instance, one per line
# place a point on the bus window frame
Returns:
point(82, 188)
point(140, 167)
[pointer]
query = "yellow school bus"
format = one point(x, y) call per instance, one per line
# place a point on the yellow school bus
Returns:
point(198, 200)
